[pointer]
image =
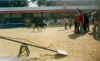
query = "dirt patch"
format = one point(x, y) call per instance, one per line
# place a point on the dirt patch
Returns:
point(80, 47)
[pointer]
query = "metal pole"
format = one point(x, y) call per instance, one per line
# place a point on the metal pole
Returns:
point(27, 44)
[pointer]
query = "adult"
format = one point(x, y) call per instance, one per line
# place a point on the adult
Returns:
point(66, 19)
point(81, 20)
point(77, 24)
point(86, 22)
point(70, 22)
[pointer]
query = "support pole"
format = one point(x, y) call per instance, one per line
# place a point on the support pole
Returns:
point(24, 50)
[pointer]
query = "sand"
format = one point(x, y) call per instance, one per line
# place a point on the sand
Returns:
point(79, 47)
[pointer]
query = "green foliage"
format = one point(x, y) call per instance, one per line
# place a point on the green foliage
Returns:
point(33, 0)
point(44, 2)
point(14, 3)
point(51, 3)
point(41, 2)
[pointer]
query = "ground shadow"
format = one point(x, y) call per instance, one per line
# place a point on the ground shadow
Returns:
point(58, 56)
point(76, 35)
point(95, 35)
point(54, 56)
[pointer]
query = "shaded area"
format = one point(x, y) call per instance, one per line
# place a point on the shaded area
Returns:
point(58, 56)
point(95, 35)
point(75, 36)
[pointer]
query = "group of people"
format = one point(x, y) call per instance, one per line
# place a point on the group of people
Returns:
point(81, 21)
point(39, 24)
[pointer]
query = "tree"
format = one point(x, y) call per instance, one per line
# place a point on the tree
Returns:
point(41, 2)
point(44, 3)
point(20, 3)
point(13, 3)
point(98, 3)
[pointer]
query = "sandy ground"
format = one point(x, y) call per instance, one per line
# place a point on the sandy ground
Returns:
point(80, 47)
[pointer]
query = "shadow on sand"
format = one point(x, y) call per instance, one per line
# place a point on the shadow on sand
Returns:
point(75, 35)
point(95, 35)
point(58, 56)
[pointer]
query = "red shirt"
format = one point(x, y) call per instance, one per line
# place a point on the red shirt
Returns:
point(81, 18)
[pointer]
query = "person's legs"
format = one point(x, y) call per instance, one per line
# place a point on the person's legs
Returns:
point(85, 27)
point(33, 26)
point(98, 30)
point(95, 27)
point(70, 25)
point(81, 28)
point(76, 28)
point(88, 28)
point(65, 26)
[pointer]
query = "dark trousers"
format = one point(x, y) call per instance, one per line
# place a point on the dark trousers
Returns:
point(86, 27)
point(70, 26)
point(66, 26)
point(77, 28)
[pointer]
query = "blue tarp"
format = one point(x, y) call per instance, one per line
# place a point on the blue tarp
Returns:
point(11, 25)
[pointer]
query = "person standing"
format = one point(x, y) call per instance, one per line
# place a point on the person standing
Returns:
point(66, 23)
point(70, 22)
point(77, 24)
point(86, 22)
point(81, 20)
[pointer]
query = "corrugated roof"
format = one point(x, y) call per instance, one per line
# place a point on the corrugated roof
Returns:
point(47, 8)
point(70, 0)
